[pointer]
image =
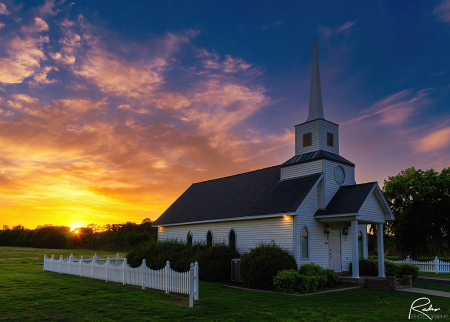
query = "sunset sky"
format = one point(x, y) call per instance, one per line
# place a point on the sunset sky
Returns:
point(109, 110)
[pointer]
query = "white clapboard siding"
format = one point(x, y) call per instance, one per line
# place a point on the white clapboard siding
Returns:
point(346, 244)
point(371, 210)
point(331, 186)
point(320, 194)
point(248, 232)
point(326, 127)
point(318, 249)
point(302, 169)
point(306, 128)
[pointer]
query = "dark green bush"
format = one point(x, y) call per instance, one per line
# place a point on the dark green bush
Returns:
point(258, 267)
point(307, 284)
point(390, 269)
point(286, 281)
point(332, 277)
point(310, 269)
point(214, 262)
point(409, 269)
point(370, 268)
point(325, 276)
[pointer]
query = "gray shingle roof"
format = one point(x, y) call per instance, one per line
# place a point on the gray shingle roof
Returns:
point(317, 155)
point(248, 194)
point(347, 200)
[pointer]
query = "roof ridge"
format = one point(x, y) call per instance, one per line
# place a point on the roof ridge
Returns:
point(234, 175)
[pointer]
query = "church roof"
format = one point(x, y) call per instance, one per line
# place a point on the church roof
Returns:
point(317, 155)
point(251, 194)
point(347, 200)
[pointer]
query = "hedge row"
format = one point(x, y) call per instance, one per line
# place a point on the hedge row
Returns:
point(369, 267)
point(214, 261)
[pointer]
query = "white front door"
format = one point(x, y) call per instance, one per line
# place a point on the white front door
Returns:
point(335, 251)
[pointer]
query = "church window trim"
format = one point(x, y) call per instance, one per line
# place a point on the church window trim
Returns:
point(304, 243)
point(189, 238)
point(232, 230)
point(208, 234)
point(360, 245)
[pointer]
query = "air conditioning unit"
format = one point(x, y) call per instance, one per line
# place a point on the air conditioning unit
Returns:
point(235, 270)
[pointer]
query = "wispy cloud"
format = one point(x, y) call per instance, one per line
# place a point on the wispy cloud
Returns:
point(118, 128)
point(3, 10)
point(436, 140)
point(264, 27)
point(326, 32)
point(443, 11)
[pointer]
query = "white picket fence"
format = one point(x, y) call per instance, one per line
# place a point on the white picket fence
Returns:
point(116, 269)
point(434, 266)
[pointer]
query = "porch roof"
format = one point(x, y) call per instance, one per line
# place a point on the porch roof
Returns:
point(347, 200)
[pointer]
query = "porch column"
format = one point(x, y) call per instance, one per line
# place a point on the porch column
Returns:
point(380, 245)
point(355, 254)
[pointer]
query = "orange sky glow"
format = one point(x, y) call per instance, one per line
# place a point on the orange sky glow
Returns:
point(99, 128)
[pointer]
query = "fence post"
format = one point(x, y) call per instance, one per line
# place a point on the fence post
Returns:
point(143, 265)
point(166, 277)
point(81, 262)
point(107, 264)
point(92, 264)
point(60, 261)
point(51, 263)
point(196, 280)
point(191, 286)
point(70, 260)
point(436, 263)
point(45, 257)
point(124, 268)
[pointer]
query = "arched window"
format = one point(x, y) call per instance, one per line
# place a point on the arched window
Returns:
point(305, 250)
point(232, 239)
point(189, 238)
point(360, 245)
point(209, 238)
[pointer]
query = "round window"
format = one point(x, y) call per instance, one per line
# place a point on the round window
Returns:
point(339, 174)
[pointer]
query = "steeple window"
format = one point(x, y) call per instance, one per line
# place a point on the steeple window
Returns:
point(307, 139)
point(330, 139)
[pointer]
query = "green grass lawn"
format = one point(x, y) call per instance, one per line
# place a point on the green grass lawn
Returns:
point(28, 293)
point(447, 275)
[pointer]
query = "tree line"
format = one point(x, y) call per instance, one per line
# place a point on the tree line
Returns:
point(420, 201)
point(115, 237)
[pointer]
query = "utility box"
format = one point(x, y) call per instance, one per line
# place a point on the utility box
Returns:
point(235, 277)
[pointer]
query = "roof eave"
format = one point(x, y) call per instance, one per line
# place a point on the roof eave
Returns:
point(226, 219)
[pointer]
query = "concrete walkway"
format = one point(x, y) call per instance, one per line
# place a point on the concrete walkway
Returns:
point(424, 291)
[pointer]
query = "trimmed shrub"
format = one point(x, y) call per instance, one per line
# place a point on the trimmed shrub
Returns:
point(258, 267)
point(286, 281)
point(325, 276)
point(307, 284)
point(310, 269)
point(409, 269)
point(214, 261)
point(332, 277)
point(390, 269)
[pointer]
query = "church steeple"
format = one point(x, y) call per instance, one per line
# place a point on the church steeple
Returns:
point(315, 94)
point(316, 133)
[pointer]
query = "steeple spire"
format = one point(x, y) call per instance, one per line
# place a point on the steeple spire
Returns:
point(315, 94)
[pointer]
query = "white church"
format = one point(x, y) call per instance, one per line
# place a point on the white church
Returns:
point(309, 205)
